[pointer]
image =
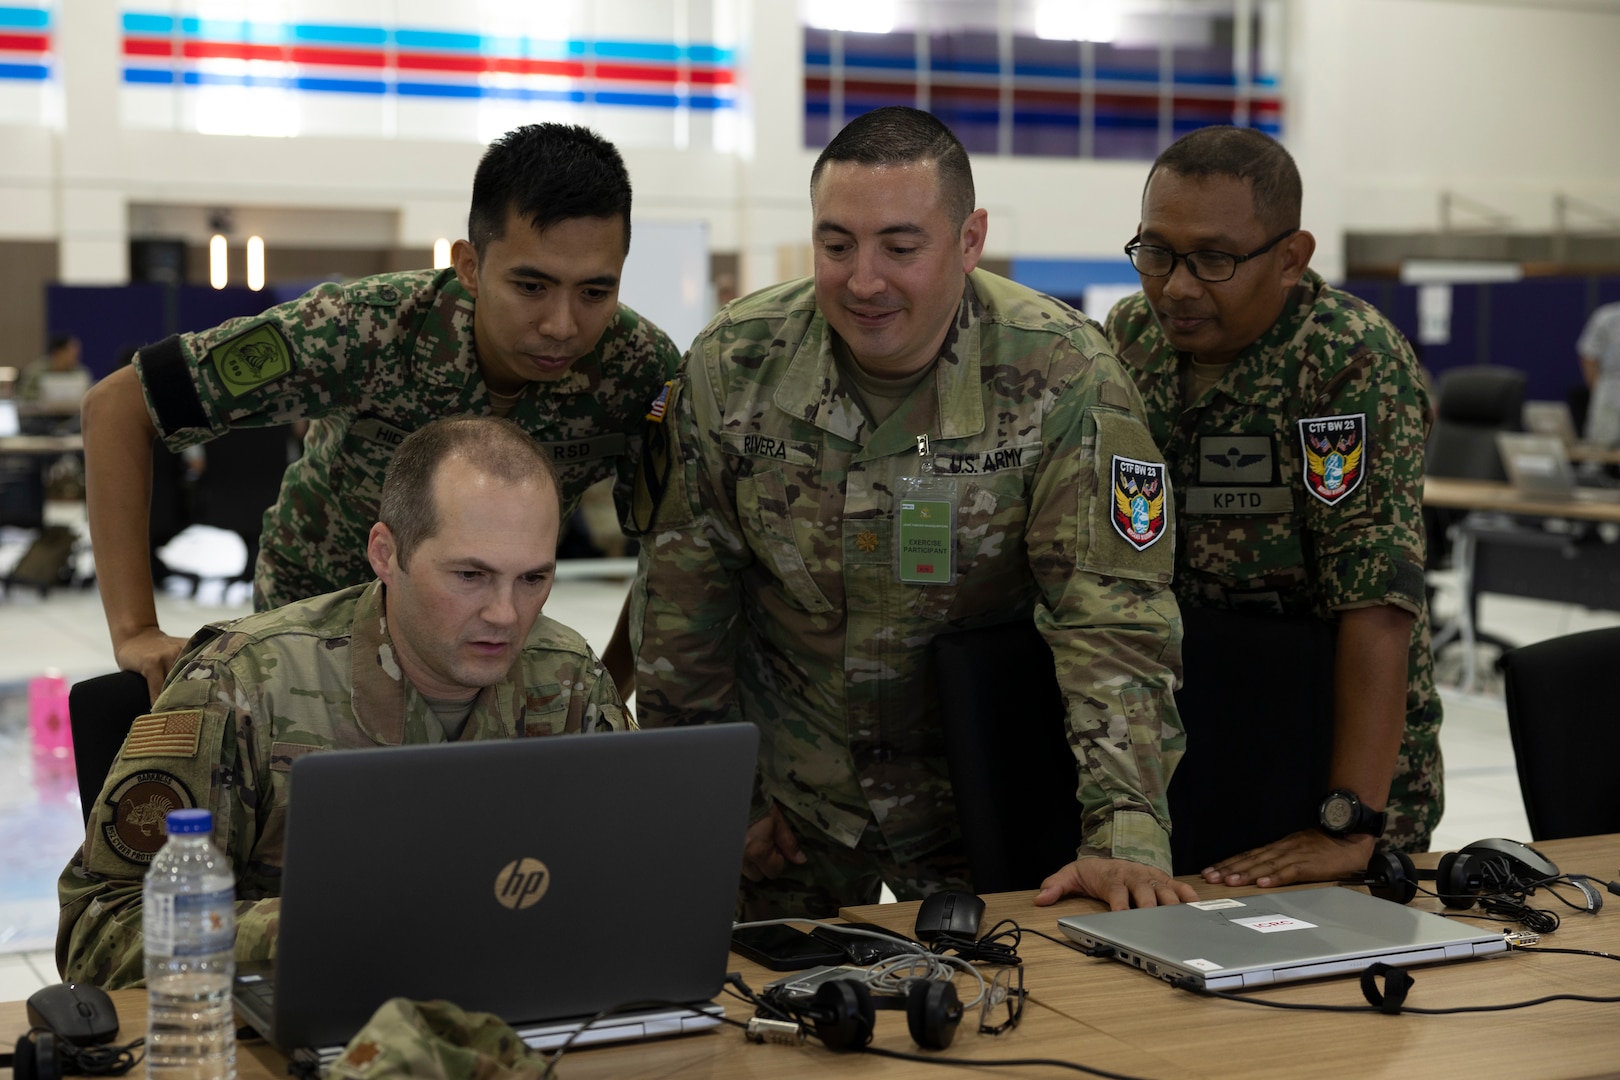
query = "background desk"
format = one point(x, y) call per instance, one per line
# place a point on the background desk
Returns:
point(1495, 554)
point(1105, 1015)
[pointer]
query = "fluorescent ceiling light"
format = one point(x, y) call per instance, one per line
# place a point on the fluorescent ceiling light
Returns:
point(441, 253)
point(1078, 20)
point(859, 16)
point(217, 276)
point(255, 263)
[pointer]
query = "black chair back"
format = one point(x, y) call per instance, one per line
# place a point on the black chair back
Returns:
point(100, 711)
point(1474, 403)
point(1566, 738)
point(1256, 765)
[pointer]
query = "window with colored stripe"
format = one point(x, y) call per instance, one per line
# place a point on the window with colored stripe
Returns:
point(1050, 78)
point(644, 72)
point(29, 94)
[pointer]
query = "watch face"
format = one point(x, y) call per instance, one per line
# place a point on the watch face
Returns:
point(1337, 812)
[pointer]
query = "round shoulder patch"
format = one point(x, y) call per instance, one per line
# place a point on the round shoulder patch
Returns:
point(140, 805)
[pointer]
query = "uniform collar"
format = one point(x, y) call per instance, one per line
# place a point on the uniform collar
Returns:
point(948, 404)
point(384, 700)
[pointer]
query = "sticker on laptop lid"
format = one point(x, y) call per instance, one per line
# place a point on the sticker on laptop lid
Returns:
point(1274, 924)
point(1216, 905)
point(1202, 965)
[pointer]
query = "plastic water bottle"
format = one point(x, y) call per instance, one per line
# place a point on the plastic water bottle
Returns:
point(189, 920)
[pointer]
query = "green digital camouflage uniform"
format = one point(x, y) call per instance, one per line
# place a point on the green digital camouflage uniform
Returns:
point(768, 588)
point(368, 363)
point(1261, 527)
point(246, 700)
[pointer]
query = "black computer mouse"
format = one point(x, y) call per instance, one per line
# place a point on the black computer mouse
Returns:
point(77, 1012)
point(1525, 860)
point(953, 913)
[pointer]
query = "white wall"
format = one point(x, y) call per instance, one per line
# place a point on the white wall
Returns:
point(1389, 103)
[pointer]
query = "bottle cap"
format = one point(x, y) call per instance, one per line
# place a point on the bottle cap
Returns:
point(181, 822)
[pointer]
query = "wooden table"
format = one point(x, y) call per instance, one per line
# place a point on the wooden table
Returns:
point(1489, 497)
point(1105, 1015)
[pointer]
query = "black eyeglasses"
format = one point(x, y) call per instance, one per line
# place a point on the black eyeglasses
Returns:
point(1154, 261)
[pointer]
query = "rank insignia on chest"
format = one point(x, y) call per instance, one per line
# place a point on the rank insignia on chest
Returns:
point(1335, 449)
point(1138, 510)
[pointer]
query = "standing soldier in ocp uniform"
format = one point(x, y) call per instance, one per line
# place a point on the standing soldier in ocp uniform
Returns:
point(525, 325)
point(1293, 417)
point(904, 446)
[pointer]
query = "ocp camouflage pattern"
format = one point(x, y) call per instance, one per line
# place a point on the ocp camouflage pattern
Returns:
point(258, 693)
point(768, 589)
point(1250, 535)
point(368, 363)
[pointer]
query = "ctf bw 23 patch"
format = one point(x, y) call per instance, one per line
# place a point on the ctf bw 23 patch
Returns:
point(251, 359)
point(1335, 449)
point(1139, 490)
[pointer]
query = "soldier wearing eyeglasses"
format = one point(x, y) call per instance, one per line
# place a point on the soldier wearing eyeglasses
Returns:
point(1293, 419)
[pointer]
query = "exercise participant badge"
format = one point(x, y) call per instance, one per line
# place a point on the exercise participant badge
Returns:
point(1139, 489)
point(1335, 449)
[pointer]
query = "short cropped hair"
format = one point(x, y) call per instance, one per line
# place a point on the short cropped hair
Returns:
point(494, 446)
point(547, 173)
point(897, 135)
point(1245, 154)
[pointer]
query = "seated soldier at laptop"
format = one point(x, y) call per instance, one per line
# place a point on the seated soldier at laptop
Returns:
point(448, 644)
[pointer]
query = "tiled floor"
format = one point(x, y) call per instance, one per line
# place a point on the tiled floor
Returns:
point(40, 819)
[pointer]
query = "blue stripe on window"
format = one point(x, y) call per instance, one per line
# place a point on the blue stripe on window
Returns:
point(22, 18)
point(149, 76)
point(25, 72)
point(438, 39)
point(137, 22)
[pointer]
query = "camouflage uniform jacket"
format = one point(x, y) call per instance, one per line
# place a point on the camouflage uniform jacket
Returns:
point(244, 702)
point(769, 588)
point(369, 362)
point(1277, 511)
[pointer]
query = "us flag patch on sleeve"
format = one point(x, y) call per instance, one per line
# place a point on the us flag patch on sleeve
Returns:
point(1138, 511)
point(170, 734)
point(655, 411)
point(1335, 449)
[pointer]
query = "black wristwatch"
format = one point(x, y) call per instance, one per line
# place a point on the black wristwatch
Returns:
point(1343, 813)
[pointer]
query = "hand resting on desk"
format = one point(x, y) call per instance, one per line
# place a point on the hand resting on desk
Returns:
point(1308, 855)
point(1121, 884)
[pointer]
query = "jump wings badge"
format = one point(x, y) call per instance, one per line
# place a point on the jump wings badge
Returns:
point(1139, 490)
point(1335, 454)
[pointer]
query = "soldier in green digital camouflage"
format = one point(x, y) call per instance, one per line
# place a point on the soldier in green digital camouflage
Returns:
point(1293, 417)
point(463, 555)
point(904, 446)
point(526, 324)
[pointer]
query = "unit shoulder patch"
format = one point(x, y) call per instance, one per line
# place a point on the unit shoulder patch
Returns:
point(1138, 502)
point(1335, 452)
point(140, 806)
point(252, 359)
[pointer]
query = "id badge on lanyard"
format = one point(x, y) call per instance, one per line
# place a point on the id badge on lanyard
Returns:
point(925, 524)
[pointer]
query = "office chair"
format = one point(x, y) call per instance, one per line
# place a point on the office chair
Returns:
point(100, 712)
point(1566, 741)
point(1250, 678)
point(241, 479)
point(1473, 405)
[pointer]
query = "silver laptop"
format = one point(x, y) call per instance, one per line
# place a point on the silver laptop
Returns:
point(1550, 418)
point(1538, 466)
point(540, 879)
point(1241, 942)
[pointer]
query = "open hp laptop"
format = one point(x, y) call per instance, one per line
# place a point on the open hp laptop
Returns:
point(1231, 944)
point(1538, 466)
point(540, 879)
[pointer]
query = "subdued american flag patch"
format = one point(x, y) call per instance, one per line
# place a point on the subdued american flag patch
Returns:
point(170, 734)
point(655, 412)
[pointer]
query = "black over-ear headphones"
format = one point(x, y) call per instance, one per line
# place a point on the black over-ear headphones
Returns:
point(1458, 880)
point(38, 1056)
point(843, 1013)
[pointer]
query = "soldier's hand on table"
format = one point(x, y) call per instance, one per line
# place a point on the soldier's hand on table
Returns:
point(1118, 882)
point(769, 846)
point(151, 653)
point(1308, 855)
